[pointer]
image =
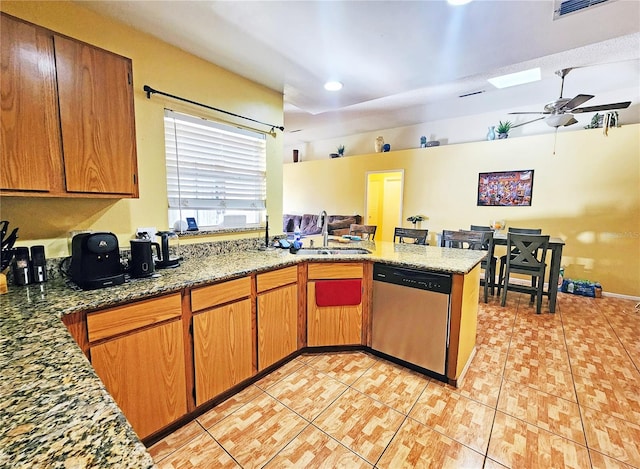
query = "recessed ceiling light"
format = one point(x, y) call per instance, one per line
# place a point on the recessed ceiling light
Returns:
point(458, 2)
point(513, 79)
point(333, 86)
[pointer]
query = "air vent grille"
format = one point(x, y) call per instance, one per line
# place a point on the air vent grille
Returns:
point(571, 6)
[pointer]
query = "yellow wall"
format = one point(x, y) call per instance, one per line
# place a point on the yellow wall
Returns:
point(165, 68)
point(588, 193)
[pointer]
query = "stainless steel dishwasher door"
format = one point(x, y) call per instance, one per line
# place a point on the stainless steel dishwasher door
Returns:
point(411, 324)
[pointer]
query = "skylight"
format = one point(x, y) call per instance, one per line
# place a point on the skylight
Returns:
point(333, 86)
point(518, 78)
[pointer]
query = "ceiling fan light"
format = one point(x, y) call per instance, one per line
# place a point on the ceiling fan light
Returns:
point(518, 78)
point(558, 120)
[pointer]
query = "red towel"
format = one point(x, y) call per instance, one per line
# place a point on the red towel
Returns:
point(338, 292)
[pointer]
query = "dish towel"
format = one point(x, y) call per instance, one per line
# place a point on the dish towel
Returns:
point(338, 292)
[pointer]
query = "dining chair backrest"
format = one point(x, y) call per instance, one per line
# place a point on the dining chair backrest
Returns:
point(465, 239)
point(534, 231)
point(529, 251)
point(401, 235)
point(482, 228)
point(364, 231)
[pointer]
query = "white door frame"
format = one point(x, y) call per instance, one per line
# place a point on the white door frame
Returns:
point(366, 192)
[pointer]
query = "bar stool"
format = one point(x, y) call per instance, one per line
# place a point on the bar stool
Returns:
point(400, 235)
point(364, 231)
point(463, 239)
point(528, 255)
point(491, 261)
point(503, 259)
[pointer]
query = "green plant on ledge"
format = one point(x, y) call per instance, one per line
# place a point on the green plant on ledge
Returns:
point(504, 128)
point(341, 150)
point(416, 218)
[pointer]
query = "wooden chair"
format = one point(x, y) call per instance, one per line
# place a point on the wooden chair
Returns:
point(364, 231)
point(528, 255)
point(503, 259)
point(400, 235)
point(491, 262)
point(463, 239)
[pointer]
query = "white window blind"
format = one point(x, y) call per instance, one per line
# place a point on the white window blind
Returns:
point(213, 170)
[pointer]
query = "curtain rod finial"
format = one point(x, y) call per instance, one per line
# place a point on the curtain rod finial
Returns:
point(147, 89)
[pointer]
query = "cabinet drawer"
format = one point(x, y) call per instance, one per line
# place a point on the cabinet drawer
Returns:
point(110, 322)
point(335, 270)
point(277, 278)
point(220, 293)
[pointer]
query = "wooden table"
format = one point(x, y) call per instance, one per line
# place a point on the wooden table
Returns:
point(555, 246)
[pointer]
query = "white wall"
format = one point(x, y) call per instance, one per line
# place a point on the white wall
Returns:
point(465, 129)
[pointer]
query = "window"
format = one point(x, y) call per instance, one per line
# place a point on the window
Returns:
point(216, 173)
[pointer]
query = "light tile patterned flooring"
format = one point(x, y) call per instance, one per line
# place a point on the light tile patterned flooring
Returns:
point(543, 391)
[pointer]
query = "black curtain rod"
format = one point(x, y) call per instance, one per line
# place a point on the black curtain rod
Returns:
point(151, 91)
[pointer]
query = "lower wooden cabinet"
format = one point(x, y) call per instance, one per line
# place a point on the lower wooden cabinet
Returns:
point(222, 348)
point(145, 373)
point(277, 324)
point(333, 325)
point(277, 315)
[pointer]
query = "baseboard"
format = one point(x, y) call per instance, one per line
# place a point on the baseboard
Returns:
point(522, 281)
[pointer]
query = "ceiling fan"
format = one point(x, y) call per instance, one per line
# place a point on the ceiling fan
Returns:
point(560, 112)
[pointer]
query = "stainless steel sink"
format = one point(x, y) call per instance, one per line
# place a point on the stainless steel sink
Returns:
point(332, 251)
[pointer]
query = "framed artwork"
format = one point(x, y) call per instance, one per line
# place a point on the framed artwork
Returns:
point(505, 188)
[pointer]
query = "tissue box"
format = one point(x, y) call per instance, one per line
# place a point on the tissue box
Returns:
point(581, 287)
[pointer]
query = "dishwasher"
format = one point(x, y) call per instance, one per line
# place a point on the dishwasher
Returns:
point(410, 315)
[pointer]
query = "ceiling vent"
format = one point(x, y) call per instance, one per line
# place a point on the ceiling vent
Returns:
point(566, 7)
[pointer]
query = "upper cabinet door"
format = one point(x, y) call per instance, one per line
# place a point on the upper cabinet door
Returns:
point(30, 144)
point(95, 89)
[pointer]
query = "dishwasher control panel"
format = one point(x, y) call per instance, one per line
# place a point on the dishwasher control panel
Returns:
point(413, 278)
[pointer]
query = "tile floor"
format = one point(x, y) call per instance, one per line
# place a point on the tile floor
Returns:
point(543, 391)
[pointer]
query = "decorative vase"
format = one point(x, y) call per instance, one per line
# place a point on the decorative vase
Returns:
point(379, 143)
point(491, 135)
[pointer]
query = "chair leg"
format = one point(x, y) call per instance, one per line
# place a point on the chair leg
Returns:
point(503, 284)
point(500, 277)
point(486, 285)
point(539, 301)
point(492, 276)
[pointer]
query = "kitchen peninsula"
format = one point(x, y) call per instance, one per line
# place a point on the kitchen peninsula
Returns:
point(56, 412)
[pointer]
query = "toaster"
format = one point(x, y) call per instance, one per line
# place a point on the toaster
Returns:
point(95, 261)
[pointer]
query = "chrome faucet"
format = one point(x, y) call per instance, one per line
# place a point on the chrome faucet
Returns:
point(323, 224)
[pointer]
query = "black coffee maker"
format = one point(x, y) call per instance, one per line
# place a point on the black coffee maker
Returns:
point(95, 260)
point(166, 261)
point(142, 263)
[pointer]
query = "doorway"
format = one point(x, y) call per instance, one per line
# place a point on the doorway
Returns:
point(384, 191)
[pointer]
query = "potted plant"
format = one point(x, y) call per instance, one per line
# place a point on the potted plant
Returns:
point(415, 219)
point(504, 128)
point(341, 150)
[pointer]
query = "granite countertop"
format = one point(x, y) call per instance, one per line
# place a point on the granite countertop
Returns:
point(56, 411)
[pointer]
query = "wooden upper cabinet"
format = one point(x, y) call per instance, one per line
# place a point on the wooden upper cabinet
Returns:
point(68, 126)
point(30, 144)
point(95, 90)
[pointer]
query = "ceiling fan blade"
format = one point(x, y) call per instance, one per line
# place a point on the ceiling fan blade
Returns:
point(528, 122)
point(575, 102)
point(603, 107)
point(545, 112)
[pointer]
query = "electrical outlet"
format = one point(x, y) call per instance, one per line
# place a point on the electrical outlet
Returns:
point(150, 230)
